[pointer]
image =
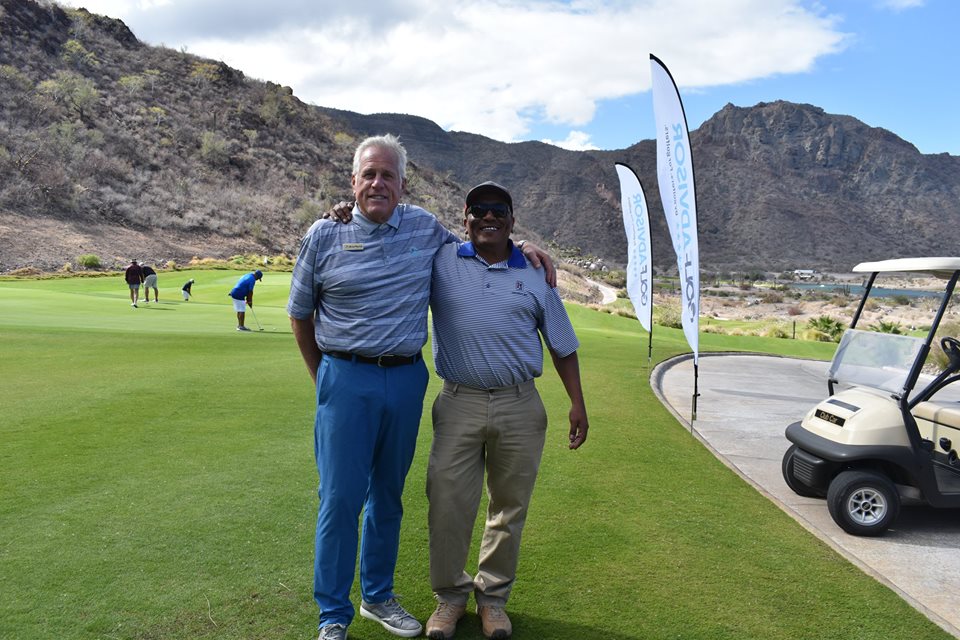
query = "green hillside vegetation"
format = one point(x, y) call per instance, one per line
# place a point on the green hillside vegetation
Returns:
point(110, 134)
point(158, 482)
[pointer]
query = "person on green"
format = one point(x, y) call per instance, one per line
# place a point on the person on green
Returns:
point(242, 294)
point(186, 290)
point(133, 276)
point(149, 282)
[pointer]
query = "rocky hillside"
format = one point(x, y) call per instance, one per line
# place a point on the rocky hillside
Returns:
point(113, 147)
point(779, 186)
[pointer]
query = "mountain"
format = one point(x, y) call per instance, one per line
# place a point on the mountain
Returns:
point(779, 186)
point(116, 148)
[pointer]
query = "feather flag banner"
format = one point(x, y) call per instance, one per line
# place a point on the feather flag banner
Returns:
point(636, 224)
point(678, 194)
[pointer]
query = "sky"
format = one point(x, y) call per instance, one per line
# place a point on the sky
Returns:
point(576, 73)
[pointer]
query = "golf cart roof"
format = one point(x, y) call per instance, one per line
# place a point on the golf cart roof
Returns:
point(939, 267)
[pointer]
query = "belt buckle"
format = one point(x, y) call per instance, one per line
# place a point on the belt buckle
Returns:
point(380, 360)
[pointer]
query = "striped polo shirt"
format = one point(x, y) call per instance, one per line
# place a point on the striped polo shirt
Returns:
point(488, 319)
point(368, 284)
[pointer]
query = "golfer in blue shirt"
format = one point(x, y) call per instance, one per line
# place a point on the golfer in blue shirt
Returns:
point(242, 295)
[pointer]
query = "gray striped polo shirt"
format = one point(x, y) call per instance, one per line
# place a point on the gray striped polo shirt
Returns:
point(368, 284)
point(488, 319)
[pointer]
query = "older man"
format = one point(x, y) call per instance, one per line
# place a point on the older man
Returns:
point(358, 309)
point(490, 309)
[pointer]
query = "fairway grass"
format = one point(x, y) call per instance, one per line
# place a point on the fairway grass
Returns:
point(157, 481)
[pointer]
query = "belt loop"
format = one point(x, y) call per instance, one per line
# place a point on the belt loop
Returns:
point(456, 387)
point(518, 390)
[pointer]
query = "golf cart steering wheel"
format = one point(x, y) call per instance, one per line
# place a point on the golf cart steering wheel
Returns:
point(951, 347)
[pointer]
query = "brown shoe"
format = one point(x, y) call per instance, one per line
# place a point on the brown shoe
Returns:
point(496, 624)
point(443, 623)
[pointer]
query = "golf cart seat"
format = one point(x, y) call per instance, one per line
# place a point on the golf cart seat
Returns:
point(939, 412)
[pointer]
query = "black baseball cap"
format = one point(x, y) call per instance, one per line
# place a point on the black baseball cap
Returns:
point(489, 187)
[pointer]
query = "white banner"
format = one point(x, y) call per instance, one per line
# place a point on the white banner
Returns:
point(678, 194)
point(636, 224)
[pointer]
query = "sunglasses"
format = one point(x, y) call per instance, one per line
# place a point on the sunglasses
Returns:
point(480, 210)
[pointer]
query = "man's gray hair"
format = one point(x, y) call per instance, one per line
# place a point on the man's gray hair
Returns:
point(388, 141)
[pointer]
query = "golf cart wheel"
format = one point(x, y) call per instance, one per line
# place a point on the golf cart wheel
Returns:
point(863, 503)
point(798, 487)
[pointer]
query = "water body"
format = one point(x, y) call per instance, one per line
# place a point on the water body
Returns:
point(857, 290)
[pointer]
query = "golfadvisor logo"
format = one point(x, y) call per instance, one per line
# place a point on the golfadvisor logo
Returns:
point(353, 246)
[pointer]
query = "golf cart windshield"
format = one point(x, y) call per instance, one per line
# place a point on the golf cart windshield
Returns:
point(872, 359)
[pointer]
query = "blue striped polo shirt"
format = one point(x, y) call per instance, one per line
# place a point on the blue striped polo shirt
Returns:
point(368, 284)
point(488, 319)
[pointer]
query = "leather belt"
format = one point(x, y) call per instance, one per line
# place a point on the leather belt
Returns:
point(380, 361)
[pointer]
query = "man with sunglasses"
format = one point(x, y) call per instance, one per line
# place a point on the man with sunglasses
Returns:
point(490, 308)
point(358, 310)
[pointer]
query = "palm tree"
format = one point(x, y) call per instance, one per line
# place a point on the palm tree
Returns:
point(885, 326)
point(825, 329)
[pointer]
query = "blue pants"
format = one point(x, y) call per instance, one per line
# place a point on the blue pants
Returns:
point(365, 434)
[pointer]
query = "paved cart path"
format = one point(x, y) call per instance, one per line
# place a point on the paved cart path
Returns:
point(746, 402)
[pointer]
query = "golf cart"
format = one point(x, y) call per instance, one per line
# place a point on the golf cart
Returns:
point(887, 433)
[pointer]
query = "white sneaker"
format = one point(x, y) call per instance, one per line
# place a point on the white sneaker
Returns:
point(393, 617)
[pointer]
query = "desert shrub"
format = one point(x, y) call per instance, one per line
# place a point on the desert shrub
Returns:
point(667, 317)
point(214, 148)
point(616, 279)
point(89, 261)
point(308, 212)
point(777, 331)
point(343, 139)
point(713, 328)
point(626, 313)
point(282, 261)
point(794, 310)
point(901, 300)
point(771, 298)
point(937, 357)
point(67, 267)
point(26, 272)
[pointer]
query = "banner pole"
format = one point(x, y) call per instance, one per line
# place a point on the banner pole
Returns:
point(696, 394)
point(650, 342)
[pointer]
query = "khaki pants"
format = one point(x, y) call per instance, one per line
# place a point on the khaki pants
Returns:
point(501, 431)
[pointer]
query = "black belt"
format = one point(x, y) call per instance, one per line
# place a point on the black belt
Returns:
point(380, 361)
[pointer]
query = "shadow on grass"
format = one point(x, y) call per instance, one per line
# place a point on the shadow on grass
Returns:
point(524, 626)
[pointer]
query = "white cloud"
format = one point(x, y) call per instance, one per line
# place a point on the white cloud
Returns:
point(901, 5)
point(575, 141)
point(487, 66)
